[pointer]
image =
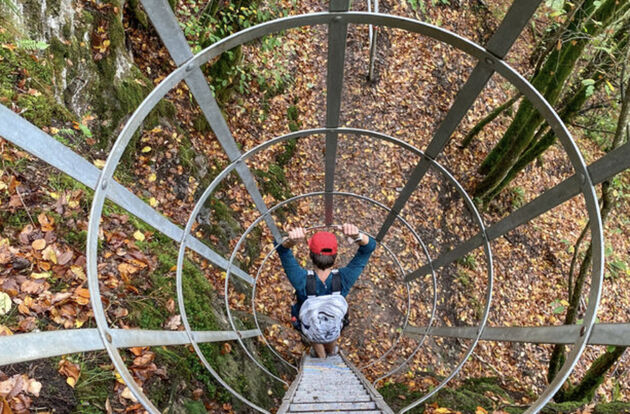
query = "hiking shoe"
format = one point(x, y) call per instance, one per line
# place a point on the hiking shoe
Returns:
point(335, 351)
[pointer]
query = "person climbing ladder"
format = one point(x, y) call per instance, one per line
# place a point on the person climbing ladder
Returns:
point(321, 307)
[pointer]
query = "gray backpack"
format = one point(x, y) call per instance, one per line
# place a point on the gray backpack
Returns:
point(322, 317)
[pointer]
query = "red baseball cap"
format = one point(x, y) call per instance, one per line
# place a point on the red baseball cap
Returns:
point(324, 243)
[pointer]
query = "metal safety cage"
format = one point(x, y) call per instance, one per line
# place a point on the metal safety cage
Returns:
point(489, 59)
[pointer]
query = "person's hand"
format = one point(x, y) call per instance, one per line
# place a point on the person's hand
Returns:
point(353, 234)
point(295, 235)
point(350, 230)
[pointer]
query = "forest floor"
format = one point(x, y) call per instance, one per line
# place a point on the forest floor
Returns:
point(284, 83)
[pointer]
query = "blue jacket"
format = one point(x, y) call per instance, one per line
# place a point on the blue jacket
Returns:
point(349, 274)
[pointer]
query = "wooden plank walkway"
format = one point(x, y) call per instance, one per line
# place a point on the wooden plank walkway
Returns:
point(331, 385)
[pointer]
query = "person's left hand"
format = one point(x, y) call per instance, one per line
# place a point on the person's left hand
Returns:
point(354, 235)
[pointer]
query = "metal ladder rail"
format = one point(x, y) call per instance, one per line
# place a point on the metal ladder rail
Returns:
point(331, 385)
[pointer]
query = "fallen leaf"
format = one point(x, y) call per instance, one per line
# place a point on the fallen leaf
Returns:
point(4, 406)
point(78, 272)
point(46, 222)
point(5, 303)
point(126, 393)
point(197, 393)
point(38, 244)
point(138, 235)
point(226, 348)
point(34, 387)
point(173, 323)
point(49, 254)
point(32, 287)
point(64, 257)
point(70, 370)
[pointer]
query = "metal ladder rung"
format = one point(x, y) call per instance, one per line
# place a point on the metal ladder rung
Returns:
point(331, 385)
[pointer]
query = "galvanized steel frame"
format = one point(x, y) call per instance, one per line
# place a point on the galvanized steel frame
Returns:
point(490, 60)
point(485, 58)
point(37, 345)
point(405, 223)
point(22, 133)
point(165, 23)
point(337, 34)
point(299, 134)
point(617, 334)
point(319, 226)
point(372, 40)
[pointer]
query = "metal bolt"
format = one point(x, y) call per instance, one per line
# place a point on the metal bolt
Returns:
point(190, 67)
point(337, 19)
point(489, 61)
point(582, 178)
point(104, 184)
point(108, 337)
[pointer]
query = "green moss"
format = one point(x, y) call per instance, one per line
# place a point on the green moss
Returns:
point(42, 110)
point(398, 395)
point(16, 220)
point(138, 13)
point(95, 384)
point(34, 70)
point(53, 7)
point(514, 409)
point(473, 393)
point(285, 156)
point(463, 400)
point(486, 385)
point(223, 224)
point(617, 407)
point(195, 407)
point(66, 30)
point(562, 408)
point(274, 182)
point(200, 123)
point(292, 116)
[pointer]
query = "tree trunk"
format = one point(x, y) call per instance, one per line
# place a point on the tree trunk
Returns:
point(588, 385)
point(599, 70)
point(549, 81)
point(485, 121)
point(594, 377)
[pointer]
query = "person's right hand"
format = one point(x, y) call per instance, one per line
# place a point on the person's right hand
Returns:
point(295, 235)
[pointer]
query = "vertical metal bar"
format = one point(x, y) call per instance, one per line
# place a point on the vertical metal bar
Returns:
point(604, 168)
point(337, 32)
point(499, 44)
point(372, 35)
point(22, 133)
point(165, 22)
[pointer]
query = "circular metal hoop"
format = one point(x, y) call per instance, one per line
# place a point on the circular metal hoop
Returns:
point(350, 131)
point(387, 249)
point(393, 256)
point(470, 48)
